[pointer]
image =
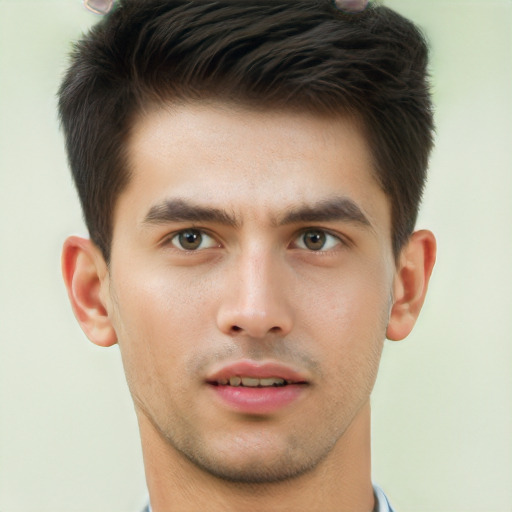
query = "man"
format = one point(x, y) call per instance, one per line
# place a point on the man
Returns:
point(250, 176)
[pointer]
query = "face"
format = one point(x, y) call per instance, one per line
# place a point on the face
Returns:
point(250, 285)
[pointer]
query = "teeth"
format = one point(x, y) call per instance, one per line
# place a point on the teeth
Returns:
point(252, 382)
point(272, 382)
point(235, 381)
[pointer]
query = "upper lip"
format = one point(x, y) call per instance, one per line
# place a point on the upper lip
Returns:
point(257, 370)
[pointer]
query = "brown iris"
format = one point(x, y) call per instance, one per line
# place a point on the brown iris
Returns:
point(190, 239)
point(314, 239)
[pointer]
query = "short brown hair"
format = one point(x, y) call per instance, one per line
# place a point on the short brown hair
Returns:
point(290, 54)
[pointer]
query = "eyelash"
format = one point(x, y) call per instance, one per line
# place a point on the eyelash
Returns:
point(201, 232)
point(299, 236)
point(327, 234)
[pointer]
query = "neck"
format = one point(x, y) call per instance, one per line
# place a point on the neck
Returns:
point(341, 482)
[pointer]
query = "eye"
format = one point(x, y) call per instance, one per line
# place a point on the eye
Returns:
point(193, 240)
point(317, 240)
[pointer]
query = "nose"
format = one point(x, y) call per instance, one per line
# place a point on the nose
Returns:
point(254, 302)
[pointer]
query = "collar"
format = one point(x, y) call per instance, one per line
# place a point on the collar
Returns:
point(381, 502)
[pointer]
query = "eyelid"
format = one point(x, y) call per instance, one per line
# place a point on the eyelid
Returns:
point(340, 239)
point(168, 239)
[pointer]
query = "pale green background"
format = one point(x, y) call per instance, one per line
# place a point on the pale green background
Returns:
point(442, 406)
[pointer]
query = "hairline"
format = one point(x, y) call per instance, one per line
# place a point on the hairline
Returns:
point(153, 105)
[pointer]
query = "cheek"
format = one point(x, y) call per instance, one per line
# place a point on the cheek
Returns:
point(160, 304)
point(347, 317)
point(159, 320)
point(347, 300)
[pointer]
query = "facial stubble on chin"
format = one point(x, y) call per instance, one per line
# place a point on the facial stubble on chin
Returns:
point(292, 463)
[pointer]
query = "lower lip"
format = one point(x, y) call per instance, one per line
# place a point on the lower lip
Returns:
point(258, 400)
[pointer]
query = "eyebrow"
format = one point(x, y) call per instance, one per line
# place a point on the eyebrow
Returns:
point(334, 209)
point(179, 210)
point(329, 210)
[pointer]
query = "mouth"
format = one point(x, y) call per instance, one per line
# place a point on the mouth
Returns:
point(237, 381)
point(256, 374)
point(257, 388)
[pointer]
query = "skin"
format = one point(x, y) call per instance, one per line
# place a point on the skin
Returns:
point(252, 290)
point(351, 5)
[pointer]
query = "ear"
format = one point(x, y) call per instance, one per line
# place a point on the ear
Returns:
point(417, 260)
point(86, 277)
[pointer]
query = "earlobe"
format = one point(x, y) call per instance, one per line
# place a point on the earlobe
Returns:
point(85, 274)
point(411, 282)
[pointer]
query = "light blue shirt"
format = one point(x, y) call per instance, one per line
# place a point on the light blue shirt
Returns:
point(381, 502)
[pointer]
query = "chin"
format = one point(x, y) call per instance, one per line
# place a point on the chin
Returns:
point(259, 466)
point(254, 472)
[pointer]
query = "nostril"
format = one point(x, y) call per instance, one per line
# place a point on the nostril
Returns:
point(238, 329)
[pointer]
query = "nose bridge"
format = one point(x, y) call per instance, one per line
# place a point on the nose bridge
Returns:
point(256, 302)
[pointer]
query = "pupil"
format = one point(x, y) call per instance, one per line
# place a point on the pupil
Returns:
point(190, 239)
point(314, 240)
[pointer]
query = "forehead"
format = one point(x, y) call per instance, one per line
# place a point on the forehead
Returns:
point(257, 163)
